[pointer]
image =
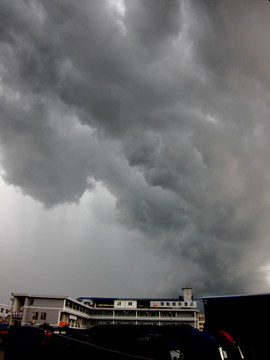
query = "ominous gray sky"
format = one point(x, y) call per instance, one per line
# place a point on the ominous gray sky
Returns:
point(134, 147)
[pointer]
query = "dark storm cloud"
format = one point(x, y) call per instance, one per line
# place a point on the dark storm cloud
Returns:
point(165, 102)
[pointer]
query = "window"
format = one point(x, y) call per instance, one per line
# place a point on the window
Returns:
point(143, 313)
point(119, 313)
point(43, 316)
point(118, 303)
point(162, 303)
point(34, 315)
point(130, 303)
point(31, 301)
point(107, 313)
point(130, 313)
point(165, 314)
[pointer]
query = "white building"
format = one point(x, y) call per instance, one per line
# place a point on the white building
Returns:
point(87, 311)
point(54, 310)
point(4, 311)
point(182, 310)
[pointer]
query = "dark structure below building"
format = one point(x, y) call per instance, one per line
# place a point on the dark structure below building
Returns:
point(116, 342)
point(245, 317)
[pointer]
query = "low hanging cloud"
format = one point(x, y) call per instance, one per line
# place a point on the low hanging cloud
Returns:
point(166, 103)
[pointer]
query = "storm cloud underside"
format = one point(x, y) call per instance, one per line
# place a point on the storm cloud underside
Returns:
point(166, 104)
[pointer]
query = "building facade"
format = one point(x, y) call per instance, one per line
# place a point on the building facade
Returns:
point(29, 309)
point(86, 312)
point(201, 322)
point(182, 310)
point(4, 312)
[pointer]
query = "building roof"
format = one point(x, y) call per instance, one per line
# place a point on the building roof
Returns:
point(180, 298)
point(4, 306)
point(232, 296)
point(39, 296)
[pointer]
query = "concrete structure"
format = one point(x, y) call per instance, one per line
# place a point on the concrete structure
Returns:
point(182, 310)
point(86, 312)
point(4, 311)
point(55, 310)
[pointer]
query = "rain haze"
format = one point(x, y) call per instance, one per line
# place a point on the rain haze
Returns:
point(134, 147)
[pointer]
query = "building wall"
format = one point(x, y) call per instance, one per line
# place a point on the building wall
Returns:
point(52, 310)
point(4, 313)
point(125, 304)
point(40, 315)
point(173, 304)
point(4, 310)
point(75, 313)
point(144, 311)
point(145, 315)
point(52, 303)
point(201, 322)
point(39, 311)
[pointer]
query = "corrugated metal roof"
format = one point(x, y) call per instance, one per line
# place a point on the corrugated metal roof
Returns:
point(231, 296)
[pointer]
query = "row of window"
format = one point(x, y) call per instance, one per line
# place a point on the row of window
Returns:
point(143, 313)
point(75, 306)
point(35, 316)
point(152, 304)
point(95, 323)
point(43, 315)
point(128, 303)
point(155, 304)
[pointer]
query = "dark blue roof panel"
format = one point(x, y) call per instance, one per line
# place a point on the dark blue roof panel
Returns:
point(231, 296)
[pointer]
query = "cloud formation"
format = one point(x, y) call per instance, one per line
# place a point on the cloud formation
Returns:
point(165, 104)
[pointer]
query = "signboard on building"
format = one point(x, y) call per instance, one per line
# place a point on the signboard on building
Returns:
point(16, 314)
